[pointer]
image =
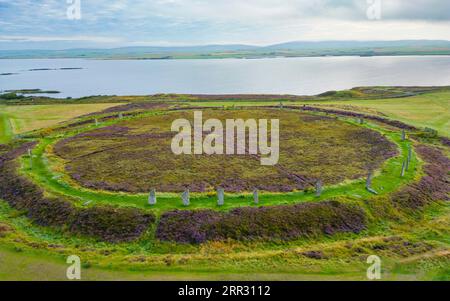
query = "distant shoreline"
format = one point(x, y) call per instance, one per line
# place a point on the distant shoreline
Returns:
point(242, 51)
point(212, 58)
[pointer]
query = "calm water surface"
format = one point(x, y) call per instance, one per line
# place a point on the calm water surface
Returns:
point(303, 76)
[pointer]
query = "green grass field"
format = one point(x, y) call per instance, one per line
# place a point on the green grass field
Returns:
point(424, 110)
point(429, 110)
point(29, 252)
point(20, 119)
point(412, 245)
point(5, 128)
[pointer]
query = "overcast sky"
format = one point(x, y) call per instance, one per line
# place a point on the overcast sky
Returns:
point(113, 23)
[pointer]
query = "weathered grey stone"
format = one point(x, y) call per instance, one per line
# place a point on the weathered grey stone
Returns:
point(403, 135)
point(369, 179)
point(96, 122)
point(369, 183)
point(30, 155)
point(319, 188)
point(120, 115)
point(403, 169)
point(185, 197)
point(152, 197)
point(409, 157)
point(256, 196)
point(220, 196)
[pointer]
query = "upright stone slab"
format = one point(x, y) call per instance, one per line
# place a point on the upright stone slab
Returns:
point(409, 157)
point(281, 105)
point(185, 197)
point(403, 135)
point(403, 169)
point(369, 183)
point(30, 155)
point(120, 115)
point(369, 180)
point(256, 196)
point(319, 188)
point(96, 122)
point(152, 197)
point(220, 196)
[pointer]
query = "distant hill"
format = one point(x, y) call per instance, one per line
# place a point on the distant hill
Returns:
point(290, 49)
point(361, 44)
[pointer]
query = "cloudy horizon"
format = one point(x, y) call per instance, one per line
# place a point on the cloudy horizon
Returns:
point(45, 24)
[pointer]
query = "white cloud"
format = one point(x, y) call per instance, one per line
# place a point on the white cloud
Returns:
point(224, 21)
point(97, 39)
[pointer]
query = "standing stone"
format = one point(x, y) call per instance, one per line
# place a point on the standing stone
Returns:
point(361, 121)
point(152, 197)
point(281, 105)
point(369, 183)
point(369, 180)
point(255, 196)
point(120, 115)
point(220, 196)
point(319, 188)
point(30, 155)
point(409, 157)
point(403, 169)
point(403, 135)
point(96, 122)
point(185, 197)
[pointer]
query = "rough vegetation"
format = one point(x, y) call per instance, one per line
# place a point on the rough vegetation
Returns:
point(135, 155)
point(272, 223)
point(435, 185)
point(105, 223)
point(395, 123)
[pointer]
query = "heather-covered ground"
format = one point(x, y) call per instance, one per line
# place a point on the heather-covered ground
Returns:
point(135, 156)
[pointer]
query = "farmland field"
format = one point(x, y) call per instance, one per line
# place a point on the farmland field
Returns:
point(422, 110)
point(23, 119)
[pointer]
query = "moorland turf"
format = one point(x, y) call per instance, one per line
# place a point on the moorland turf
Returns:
point(135, 155)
